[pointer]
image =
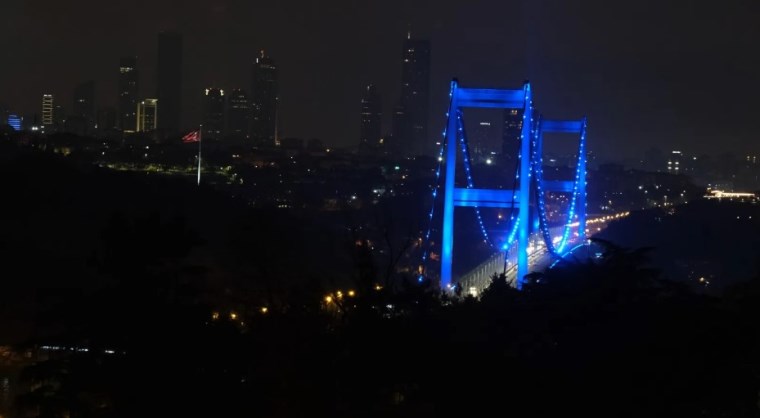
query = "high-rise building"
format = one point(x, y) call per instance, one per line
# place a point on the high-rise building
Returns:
point(238, 113)
point(47, 111)
point(511, 133)
point(59, 118)
point(674, 162)
point(264, 100)
point(413, 109)
point(371, 120)
point(213, 113)
point(84, 107)
point(128, 93)
point(169, 79)
point(147, 115)
point(394, 145)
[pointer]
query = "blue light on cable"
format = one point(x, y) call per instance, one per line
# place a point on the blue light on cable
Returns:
point(423, 262)
point(470, 183)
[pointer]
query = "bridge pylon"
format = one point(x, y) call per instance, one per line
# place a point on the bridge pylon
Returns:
point(453, 196)
point(529, 173)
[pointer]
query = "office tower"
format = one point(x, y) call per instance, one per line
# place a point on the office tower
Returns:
point(371, 120)
point(264, 101)
point(238, 113)
point(128, 93)
point(511, 133)
point(59, 118)
point(413, 110)
point(147, 115)
point(674, 162)
point(84, 107)
point(213, 113)
point(47, 111)
point(393, 144)
point(169, 81)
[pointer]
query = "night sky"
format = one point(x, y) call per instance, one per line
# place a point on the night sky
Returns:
point(676, 74)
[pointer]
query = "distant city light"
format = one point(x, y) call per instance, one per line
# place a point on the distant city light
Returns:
point(15, 122)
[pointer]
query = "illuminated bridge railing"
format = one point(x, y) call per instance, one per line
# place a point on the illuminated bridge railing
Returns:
point(479, 278)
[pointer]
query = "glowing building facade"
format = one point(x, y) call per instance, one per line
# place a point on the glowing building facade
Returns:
point(213, 113)
point(47, 111)
point(147, 115)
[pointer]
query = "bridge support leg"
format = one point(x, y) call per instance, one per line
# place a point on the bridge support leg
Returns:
point(582, 185)
point(523, 230)
point(447, 243)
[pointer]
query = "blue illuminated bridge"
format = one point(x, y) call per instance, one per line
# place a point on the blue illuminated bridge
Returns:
point(530, 243)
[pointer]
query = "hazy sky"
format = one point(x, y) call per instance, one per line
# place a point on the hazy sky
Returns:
point(680, 74)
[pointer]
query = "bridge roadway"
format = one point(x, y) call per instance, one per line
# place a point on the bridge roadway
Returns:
point(539, 258)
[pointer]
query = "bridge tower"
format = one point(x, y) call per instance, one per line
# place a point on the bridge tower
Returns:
point(576, 187)
point(530, 176)
point(453, 196)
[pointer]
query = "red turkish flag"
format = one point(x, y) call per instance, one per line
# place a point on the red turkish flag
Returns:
point(194, 136)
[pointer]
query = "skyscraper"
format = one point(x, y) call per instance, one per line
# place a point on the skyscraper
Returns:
point(238, 113)
point(511, 133)
point(47, 111)
point(59, 117)
point(128, 93)
point(84, 107)
point(264, 101)
point(147, 115)
point(413, 110)
point(169, 78)
point(394, 144)
point(371, 120)
point(213, 113)
point(674, 162)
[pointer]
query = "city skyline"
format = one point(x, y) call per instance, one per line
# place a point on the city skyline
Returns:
point(660, 68)
point(300, 208)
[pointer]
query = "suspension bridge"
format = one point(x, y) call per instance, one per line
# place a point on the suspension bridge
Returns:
point(530, 242)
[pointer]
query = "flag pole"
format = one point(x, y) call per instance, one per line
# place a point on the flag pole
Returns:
point(200, 140)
